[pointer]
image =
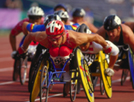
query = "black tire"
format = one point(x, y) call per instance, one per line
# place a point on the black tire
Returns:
point(73, 85)
point(34, 66)
point(78, 85)
point(102, 90)
point(124, 76)
point(16, 69)
point(23, 70)
point(43, 85)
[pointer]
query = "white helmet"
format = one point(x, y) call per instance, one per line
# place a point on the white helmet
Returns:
point(35, 11)
point(62, 14)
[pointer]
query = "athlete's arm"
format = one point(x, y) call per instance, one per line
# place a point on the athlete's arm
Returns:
point(128, 36)
point(24, 29)
point(101, 31)
point(34, 28)
point(92, 28)
point(130, 24)
point(37, 36)
point(80, 38)
point(12, 40)
point(12, 36)
point(113, 55)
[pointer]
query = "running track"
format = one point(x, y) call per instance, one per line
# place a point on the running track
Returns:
point(11, 91)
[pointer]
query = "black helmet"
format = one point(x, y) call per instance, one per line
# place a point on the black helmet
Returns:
point(83, 28)
point(111, 22)
point(51, 17)
point(78, 12)
point(60, 6)
point(62, 14)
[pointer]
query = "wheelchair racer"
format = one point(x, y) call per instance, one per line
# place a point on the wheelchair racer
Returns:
point(35, 14)
point(61, 42)
point(65, 19)
point(34, 28)
point(119, 34)
point(90, 50)
point(78, 15)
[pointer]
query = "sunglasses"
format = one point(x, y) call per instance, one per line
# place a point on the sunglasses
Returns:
point(54, 38)
point(84, 44)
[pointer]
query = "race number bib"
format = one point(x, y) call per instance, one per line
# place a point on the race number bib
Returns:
point(59, 60)
point(90, 58)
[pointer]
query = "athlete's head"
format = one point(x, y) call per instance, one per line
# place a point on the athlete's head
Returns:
point(51, 17)
point(84, 29)
point(78, 12)
point(60, 7)
point(35, 14)
point(111, 22)
point(63, 15)
point(112, 26)
point(55, 31)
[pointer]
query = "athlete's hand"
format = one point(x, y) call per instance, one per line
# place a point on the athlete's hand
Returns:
point(109, 72)
point(107, 49)
point(13, 54)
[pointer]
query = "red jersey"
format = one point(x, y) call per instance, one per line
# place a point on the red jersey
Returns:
point(18, 28)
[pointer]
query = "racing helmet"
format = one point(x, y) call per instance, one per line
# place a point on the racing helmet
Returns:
point(62, 14)
point(111, 22)
point(51, 17)
point(35, 11)
point(54, 27)
point(60, 6)
point(83, 28)
point(78, 12)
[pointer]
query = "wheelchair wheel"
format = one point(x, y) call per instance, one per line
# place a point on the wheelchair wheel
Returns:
point(94, 80)
point(78, 85)
point(124, 76)
point(85, 76)
point(73, 85)
point(106, 79)
point(16, 69)
point(131, 66)
point(102, 90)
point(43, 84)
point(36, 86)
point(23, 70)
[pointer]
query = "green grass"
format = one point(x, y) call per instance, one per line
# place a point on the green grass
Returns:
point(4, 33)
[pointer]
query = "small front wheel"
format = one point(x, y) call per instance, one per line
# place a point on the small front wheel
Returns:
point(23, 70)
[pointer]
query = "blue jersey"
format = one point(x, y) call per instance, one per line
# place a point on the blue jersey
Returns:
point(34, 28)
point(72, 27)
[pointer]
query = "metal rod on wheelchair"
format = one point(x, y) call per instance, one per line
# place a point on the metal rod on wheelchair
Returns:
point(61, 68)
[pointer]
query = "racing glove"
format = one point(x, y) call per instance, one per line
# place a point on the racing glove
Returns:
point(20, 50)
point(13, 54)
point(107, 49)
point(109, 72)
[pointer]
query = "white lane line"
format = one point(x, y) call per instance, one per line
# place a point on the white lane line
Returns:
point(114, 81)
point(9, 68)
point(6, 69)
point(10, 82)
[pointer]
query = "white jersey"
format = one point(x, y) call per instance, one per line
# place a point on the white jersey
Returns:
point(94, 48)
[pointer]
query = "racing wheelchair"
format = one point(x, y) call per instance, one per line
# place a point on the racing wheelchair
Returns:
point(126, 63)
point(97, 69)
point(49, 75)
point(21, 62)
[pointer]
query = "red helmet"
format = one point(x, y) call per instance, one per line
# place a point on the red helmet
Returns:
point(54, 27)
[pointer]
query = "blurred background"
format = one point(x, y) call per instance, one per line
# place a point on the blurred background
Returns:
point(12, 11)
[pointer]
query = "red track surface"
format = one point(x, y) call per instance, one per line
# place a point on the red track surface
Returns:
point(15, 92)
